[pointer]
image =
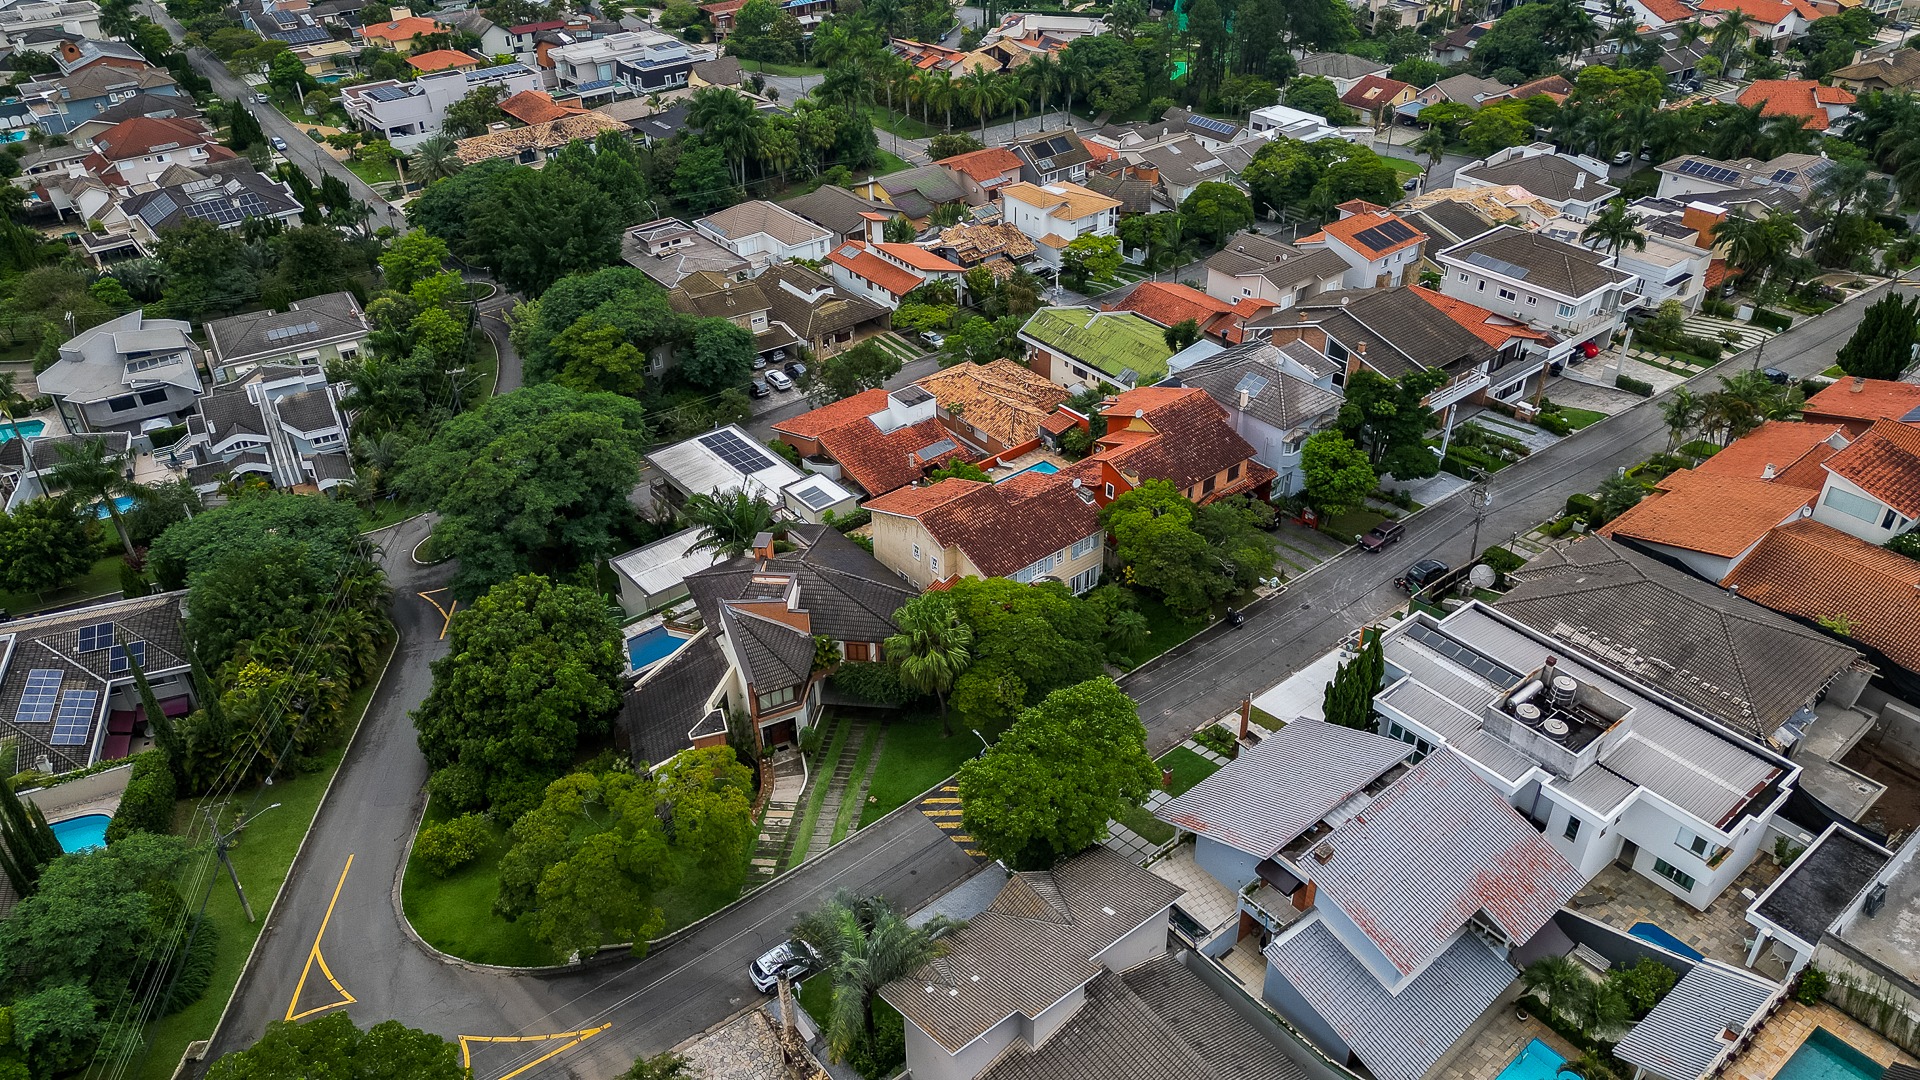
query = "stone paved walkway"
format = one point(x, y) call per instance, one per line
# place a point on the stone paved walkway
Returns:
point(1621, 898)
point(789, 786)
point(837, 779)
point(746, 1048)
point(1138, 848)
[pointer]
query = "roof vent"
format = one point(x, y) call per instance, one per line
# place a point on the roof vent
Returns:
point(1768, 472)
point(1529, 714)
point(1109, 911)
point(1139, 414)
point(1323, 851)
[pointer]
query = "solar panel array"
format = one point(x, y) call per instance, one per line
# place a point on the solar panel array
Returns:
point(742, 455)
point(36, 701)
point(96, 637)
point(1385, 235)
point(1208, 123)
point(813, 495)
point(75, 718)
point(1784, 176)
point(935, 450)
point(1496, 673)
point(117, 659)
point(1707, 170)
point(1250, 384)
point(1498, 266)
point(282, 333)
point(158, 209)
point(390, 93)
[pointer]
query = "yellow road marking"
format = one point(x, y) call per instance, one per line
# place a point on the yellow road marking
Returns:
point(959, 838)
point(575, 1039)
point(446, 613)
point(977, 852)
point(313, 957)
point(932, 801)
point(942, 813)
point(948, 824)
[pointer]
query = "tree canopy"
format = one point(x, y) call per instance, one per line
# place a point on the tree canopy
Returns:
point(333, 1047)
point(1337, 474)
point(1028, 640)
point(1193, 556)
point(1389, 418)
point(1882, 346)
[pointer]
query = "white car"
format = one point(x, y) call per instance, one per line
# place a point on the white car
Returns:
point(278, 143)
point(794, 959)
point(934, 339)
point(778, 380)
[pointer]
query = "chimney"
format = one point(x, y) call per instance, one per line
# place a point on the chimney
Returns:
point(1360, 347)
point(1548, 670)
point(1303, 897)
point(763, 545)
point(1322, 851)
point(1245, 397)
point(1580, 181)
point(1859, 384)
point(1767, 473)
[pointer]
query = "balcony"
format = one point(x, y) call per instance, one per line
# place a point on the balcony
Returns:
point(1460, 387)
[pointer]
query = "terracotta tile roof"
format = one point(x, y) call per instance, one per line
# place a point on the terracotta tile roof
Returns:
point(881, 461)
point(1354, 231)
point(551, 135)
point(1817, 572)
point(1885, 462)
point(1794, 97)
point(1359, 206)
point(401, 30)
point(815, 422)
point(1169, 303)
point(1101, 153)
point(1554, 86)
point(919, 258)
point(144, 135)
point(1478, 321)
point(1715, 515)
point(854, 256)
point(1009, 402)
point(441, 60)
point(1864, 401)
point(918, 499)
point(536, 107)
point(1070, 202)
point(1716, 273)
point(1672, 11)
point(1794, 451)
point(983, 165)
point(1003, 527)
point(1187, 436)
point(1374, 91)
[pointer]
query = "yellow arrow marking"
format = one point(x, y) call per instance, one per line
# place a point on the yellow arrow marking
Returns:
point(314, 957)
point(575, 1038)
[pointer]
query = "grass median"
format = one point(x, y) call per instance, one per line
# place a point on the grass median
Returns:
point(917, 754)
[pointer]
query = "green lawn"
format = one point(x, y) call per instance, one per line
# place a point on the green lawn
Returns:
point(1404, 167)
point(816, 996)
point(1351, 524)
point(102, 580)
point(482, 370)
point(385, 512)
point(1580, 418)
point(795, 71)
point(888, 163)
point(378, 173)
point(822, 779)
point(901, 123)
point(1188, 768)
point(916, 756)
point(1834, 372)
point(1165, 629)
point(1150, 828)
point(455, 914)
point(262, 858)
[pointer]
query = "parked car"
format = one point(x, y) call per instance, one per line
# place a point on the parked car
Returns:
point(934, 338)
point(796, 369)
point(778, 380)
point(1420, 575)
point(758, 388)
point(278, 143)
point(759, 362)
point(1624, 157)
point(261, 99)
point(1776, 376)
point(1378, 537)
point(1410, 183)
point(794, 959)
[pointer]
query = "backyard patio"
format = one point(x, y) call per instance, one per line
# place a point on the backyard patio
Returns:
point(1621, 898)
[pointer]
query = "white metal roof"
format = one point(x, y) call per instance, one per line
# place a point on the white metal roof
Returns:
point(664, 563)
point(695, 467)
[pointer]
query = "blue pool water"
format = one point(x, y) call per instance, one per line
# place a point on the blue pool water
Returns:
point(1044, 468)
point(124, 503)
point(81, 833)
point(1536, 1061)
point(1657, 934)
point(1826, 1056)
point(652, 646)
point(28, 429)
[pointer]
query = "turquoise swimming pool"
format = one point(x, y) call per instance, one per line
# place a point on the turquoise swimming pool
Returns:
point(652, 646)
point(1044, 468)
point(81, 833)
point(29, 429)
point(1826, 1056)
point(122, 503)
point(1536, 1061)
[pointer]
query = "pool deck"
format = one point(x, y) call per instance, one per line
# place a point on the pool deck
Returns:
point(1026, 461)
point(1621, 898)
point(1494, 1040)
point(1782, 1035)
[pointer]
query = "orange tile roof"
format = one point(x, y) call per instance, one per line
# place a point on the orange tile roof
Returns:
point(536, 107)
point(881, 461)
point(1350, 231)
point(856, 258)
point(441, 60)
point(1716, 273)
point(1864, 400)
point(1190, 439)
point(983, 165)
point(1792, 450)
point(401, 30)
point(1003, 527)
point(1359, 206)
point(1374, 91)
point(1061, 199)
point(919, 258)
point(1715, 515)
point(1884, 462)
point(1008, 401)
point(1101, 153)
point(1554, 86)
point(1478, 321)
point(1668, 10)
point(920, 498)
point(1794, 97)
point(1816, 572)
point(1767, 12)
point(1169, 303)
point(813, 423)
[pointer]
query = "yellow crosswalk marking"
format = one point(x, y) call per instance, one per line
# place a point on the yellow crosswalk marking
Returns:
point(932, 801)
point(977, 853)
point(962, 838)
point(942, 813)
point(948, 824)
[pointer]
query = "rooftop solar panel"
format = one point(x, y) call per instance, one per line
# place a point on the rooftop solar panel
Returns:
point(1250, 384)
point(815, 496)
point(390, 93)
point(75, 718)
point(117, 656)
point(1208, 123)
point(1498, 266)
point(37, 700)
point(282, 333)
point(737, 452)
point(95, 637)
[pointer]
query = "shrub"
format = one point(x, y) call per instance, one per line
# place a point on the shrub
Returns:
point(1813, 986)
point(849, 521)
point(1717, 308)
point(1216, 738)
point(882, 1053)
point(1633, 385)
point(1558, 527)
point(195, 971)
point(132, 582)
point(161, 438)
point(1501, 559)
point(147, 803)
point(1553, 422)
point(446, 846)
point(1772, 320)
point(1700, 448)
point(1907, 544)
point(1583, 506)
point(871, 682)
point(784, 449)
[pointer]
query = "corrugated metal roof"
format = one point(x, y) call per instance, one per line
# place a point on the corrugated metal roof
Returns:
point(1397, 1036)
point(1437, 847)
point(1599, 789)
point(1682, 1037)
point(1277, 790)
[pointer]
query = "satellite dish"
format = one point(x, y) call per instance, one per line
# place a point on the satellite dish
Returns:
point(1483, 576)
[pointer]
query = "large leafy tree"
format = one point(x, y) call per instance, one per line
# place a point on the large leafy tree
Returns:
point(334, 1048)
point(722, 355)
point(1882, 346)
point(532, 667)
point(763, 30)
point(1193, 556)
point(1390, 419)
point(1218, 209)
point(1028, 640)
point(1337, 474)
point(1047, 788)
point(44, 544)
point(536, 480)
point(620, 297)
point(932, 648)
point(866, 366)
point(864, 944)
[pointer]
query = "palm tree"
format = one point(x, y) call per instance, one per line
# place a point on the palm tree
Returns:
point(1729, 35)
point(728, 523)
point(982, 92)
point(1757, 247)
point(1041, 74)
point(932, 648)
point(93, 472)
point(939, 93)
point(1562, 980)
point(1615, 227)
point(435, 159)
point(1433, 144)
point(729, 120)
point(1682, 411)
point(864, 945)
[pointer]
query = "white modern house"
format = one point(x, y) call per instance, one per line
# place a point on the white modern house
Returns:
point(646, 61)
point(406, 114)
point(1573, 184)
point(764, 233)
point(281, 423)
point(1575, 294)
point(1057, 214)
point(1276, 396)
point(131, 374)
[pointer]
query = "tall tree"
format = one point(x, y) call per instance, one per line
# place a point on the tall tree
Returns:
point(933, 647)
point(863, 944)
point(96, 475)
point(333, 1047)
point(727, 522)
point(1390, 418)
point(1615, 227)
point(44, 544)
point(1883, 345)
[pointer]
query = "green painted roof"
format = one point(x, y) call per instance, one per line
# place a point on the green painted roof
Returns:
point(1109, 341)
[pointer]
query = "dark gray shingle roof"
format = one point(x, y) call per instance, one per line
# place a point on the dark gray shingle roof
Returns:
point(656, 716)
point(1822, 884)
point(1274, 397)
point(1567, 269)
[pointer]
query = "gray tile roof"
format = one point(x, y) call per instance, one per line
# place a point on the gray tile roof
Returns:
point(1274, 397)
point(772, 654)
point(1822, 883)
point(1271, 794)
point(1469, 89)
point(1033, 946)
point(788, 286)
point(760, 216)
point(1401, 332)
point(1682, 1037)
point(1397, 1036)
point(1073, 151)
point(1283, 264)
point(332, 467)
point(314, 321)
point(308, 410)
point(926, 186)
point(1434, 849)
point(1184, 162)
point(656, 715)
point(47, 450)
point(1549, 176)
point(1677, 633)
point(1450, 222)
point(1340, 66)
point(1567, 269)
point(838, 210)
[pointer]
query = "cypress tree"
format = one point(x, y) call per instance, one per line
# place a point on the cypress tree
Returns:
point(27, 844)
point(1882, 346)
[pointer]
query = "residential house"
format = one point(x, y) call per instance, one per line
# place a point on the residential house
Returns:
point(1273, 399)
point(494, 39)
point(1287, 122)
point(881, 440)
point(916, 192)
point(1568, 291)
point(1446, 222)
point(1057, 214)
point(1462, 90)
point(27, 463)
point(721, 462)
point(1818, 105)
point(1181, 435)
point(400, 35)
point(69, 677)
point(407, 114)
point(1897, 71)
point(998, 246)
point(1778, 21)
point(1709, 523)
point(1048, 157)
point(846, 215)
point(280, 423)
point(439, 60)
point(1177, 166)
point(86, 52)
point(1872, 487)
point(1659, 14)
point(128, 374)
point(1376, 97)
point(1574, 185)
point(999, 406)
point(1685, 1035)
point(1344, 70)
point(808, 13)
point(60, 103)
point(1255, 267)
point(654, 576)
point(763, 233)
point(1726, 182)
point(1170, 304)
point(826, 319)
point(1857, 404)
point(1815, 572)
point(536, 107)
point(80, 18)
point(151, 106)
point(651, 123)
point(720, 71)
point(670, 250)
point(226, 192)
point(711, 294)
point(320, 330)
point(134, 152)
point(642, 61)
point(1825, 905)
point(1457, 46)
point(982, 173)
point(1377, 245)
point(1678, 259)
point(754, 654)
point(1083, 346)
point(886, 273)
point(535, 145)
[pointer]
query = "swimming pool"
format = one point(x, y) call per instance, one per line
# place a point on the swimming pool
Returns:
point(28, 429)
point(81, 833)
point(649, 647)
point(1826, 1056)
point(1658, 934)
point(123, 503)
point(1044, 468)
point(1536, 1061)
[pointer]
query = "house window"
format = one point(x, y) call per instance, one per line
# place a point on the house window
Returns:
point(933, 562)
point(1084, 545)
point(1233, 473)
point(1207, 488)
point(1892, 520)
point(1854, 506)
point(1463, 277)
point(1109, 490)
point(1533, 300)
point(1573, 828)
point(1084, 580)
point(153, 397)
point(1566, 311)
point(123, 403)
point(857, 650)
point(916, 553)
point(1705, 849)
point(1507, 294)
point(1482, 286)
point(1674, 874)
point(774, 699)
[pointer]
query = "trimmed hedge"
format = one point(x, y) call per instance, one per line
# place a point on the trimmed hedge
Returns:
point(1553, 422)
point(1700, 448)
point(1633, 385)
point(872, 682)
point(849, 521)
point(1583, 506)
point(147, 803)
point(1772, 320)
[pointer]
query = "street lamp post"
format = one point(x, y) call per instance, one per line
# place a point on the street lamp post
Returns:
point(224, 840)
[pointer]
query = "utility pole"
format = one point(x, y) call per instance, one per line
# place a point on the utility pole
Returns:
point(224, 840)
point(1482, 502)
